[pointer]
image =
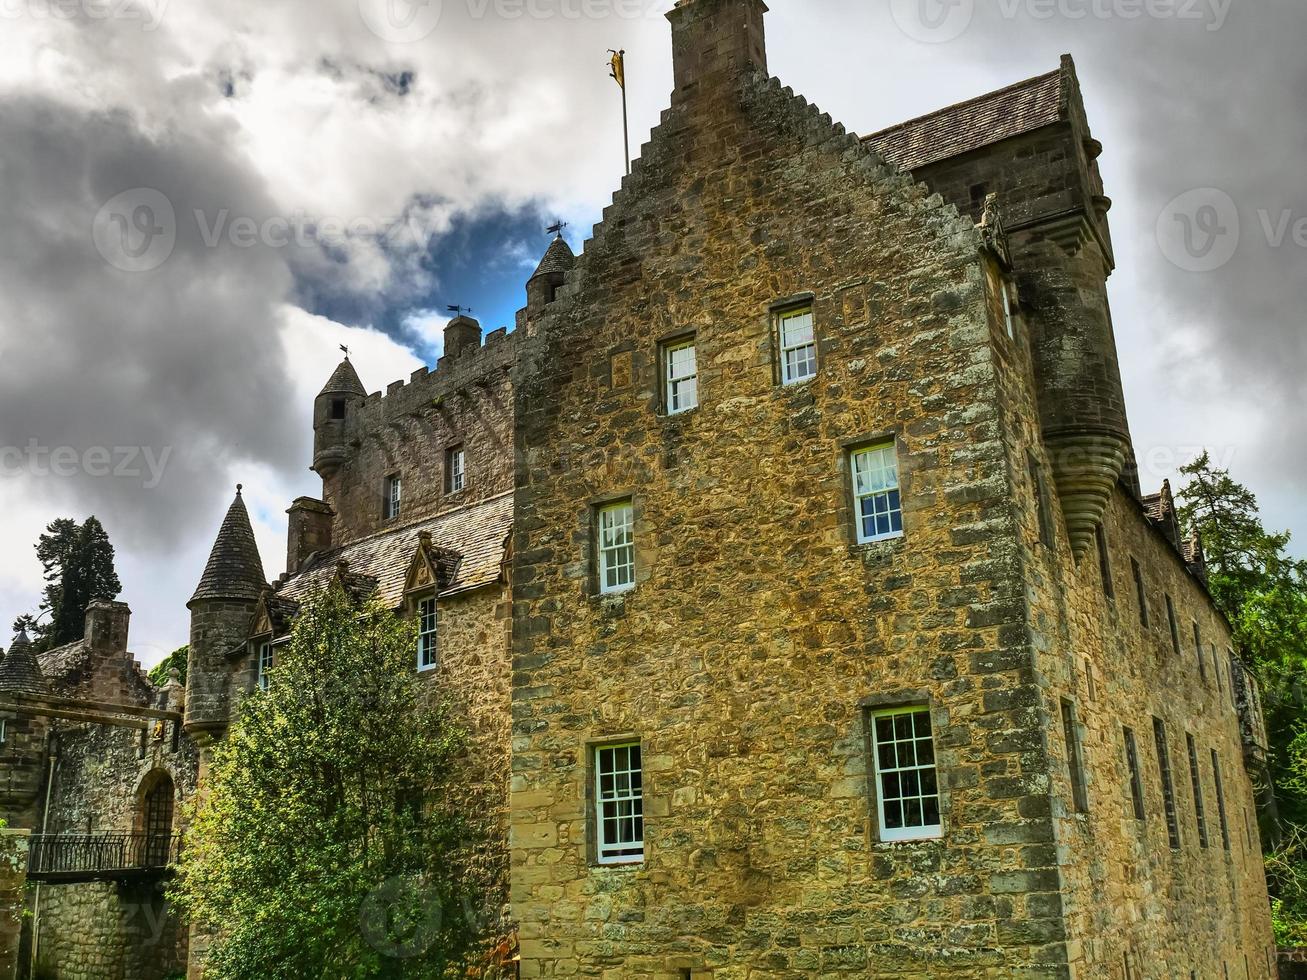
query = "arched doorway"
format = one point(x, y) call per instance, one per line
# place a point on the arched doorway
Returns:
point(155, 820)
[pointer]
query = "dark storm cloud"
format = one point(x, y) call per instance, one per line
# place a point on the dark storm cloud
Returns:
point(180, 364)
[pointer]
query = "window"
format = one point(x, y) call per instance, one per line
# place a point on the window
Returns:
point(682, 366)
point(1234, 681)
point(1009, 311)
point(455, 469)
point(1196, 780)
point(1041, 500)
point(876, 493)
point(798, 347)
point(1220, 800)
point(1141, 593)
point(1216, 669)
point(616, 547)
point(1168, 789)
point(427, 634)
point(4, 730)
point(264, 665)
point(1105, 564)
point(619, 804)
point(907, 783)
point(1074, 758)
point(1175, 627)
point(1136, 783)
point(394, 493)
point(337, 409)
point(1198, 649)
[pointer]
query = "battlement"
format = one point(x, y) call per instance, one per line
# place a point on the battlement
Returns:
point(479, 366)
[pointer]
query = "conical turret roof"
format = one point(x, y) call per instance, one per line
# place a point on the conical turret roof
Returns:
point(20, 670)
point(235, 570)
point(345, 381)
point(559, 257)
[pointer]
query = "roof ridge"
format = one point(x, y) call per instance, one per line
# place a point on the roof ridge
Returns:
point(1058, 72)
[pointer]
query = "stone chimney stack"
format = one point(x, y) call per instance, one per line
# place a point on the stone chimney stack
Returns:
point(461, 333)
point(713, 40)
point(308, 532)
point(106, 625)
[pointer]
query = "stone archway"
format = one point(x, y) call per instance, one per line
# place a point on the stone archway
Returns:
point(156, 802)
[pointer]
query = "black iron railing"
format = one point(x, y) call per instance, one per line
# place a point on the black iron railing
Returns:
point(87, 857)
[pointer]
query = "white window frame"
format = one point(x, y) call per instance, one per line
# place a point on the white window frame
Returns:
point(456, 465)
point(394, 497)
point(868, 460)
point(681, 391)
point(790, 345)
point(621, 800)
point(428, 619)
point(923, 831)
point(4, 731)
point(616, 553)
point(1009, 311)
point(263, 665)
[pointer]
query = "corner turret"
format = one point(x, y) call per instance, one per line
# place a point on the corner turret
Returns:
point(22, 751)
point(221, 612)
point(544, 283)
point(338, 400)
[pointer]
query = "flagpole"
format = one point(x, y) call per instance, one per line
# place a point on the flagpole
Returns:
point(618, 73)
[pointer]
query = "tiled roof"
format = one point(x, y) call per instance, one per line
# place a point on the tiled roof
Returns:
point(979, 122)
point(19, 669)
point(477, 532)
point(559, 257)
point(1153, 506)
point(235, 570)
point(345, 381)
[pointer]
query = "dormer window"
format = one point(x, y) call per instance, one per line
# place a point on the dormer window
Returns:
point(394, 495)
point(337, 409)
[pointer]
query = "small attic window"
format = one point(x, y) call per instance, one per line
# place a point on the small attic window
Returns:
point(337, 409)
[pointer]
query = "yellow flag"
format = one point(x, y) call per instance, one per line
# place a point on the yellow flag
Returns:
point(618, 65)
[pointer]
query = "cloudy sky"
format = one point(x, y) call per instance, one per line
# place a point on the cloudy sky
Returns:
point(340, 171)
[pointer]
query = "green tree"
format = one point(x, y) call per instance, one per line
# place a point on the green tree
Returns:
point(329, 843)
point(78, 561)
point(159, 672)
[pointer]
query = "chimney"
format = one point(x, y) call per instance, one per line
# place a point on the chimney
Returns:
point(715, 39)
point(106, 624)
point(461, 333)
point(308, 532)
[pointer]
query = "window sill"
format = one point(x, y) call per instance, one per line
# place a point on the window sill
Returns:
point(932, 842)
point(619, 864)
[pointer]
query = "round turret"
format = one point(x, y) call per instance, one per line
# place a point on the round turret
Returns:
point(23, 745)
point(332, 411)
point(549, 276)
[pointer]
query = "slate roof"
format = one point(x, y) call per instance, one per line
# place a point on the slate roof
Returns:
point(559, 257)
point(979, 122)
point(235, 570)
point(19, 669)
point(477, 532)
point(344, 381)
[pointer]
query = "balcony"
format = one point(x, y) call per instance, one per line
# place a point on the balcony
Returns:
point(72, 858)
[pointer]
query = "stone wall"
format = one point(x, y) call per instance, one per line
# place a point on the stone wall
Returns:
point(759, 633)
point(467, 402)
point(476, 672)
point(106, 931)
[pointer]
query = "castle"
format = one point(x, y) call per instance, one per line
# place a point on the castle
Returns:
point(790, 560)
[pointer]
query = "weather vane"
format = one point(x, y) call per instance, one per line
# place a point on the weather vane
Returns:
point(459, 310)
point(346, 350)
point(556, 228)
